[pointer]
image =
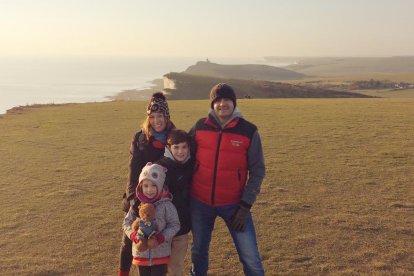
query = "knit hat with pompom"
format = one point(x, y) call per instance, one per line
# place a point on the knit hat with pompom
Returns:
point(158, 103)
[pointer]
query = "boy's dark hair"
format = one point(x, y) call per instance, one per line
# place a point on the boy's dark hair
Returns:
point(177, 136)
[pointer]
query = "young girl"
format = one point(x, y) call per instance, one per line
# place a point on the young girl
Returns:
point(147, 146)
point(179, 173)
point(153, 261)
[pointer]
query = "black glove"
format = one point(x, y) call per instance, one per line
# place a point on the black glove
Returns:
point(127, 203)
point(239, 218)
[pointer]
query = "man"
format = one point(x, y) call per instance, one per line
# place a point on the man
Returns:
point(227, 178)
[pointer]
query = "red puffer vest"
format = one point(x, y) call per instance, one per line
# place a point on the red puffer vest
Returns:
point(221, 161)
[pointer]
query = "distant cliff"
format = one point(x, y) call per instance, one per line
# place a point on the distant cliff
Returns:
point(188, 86)
point(245, 71)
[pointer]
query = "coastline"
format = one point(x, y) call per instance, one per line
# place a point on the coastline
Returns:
point(22, 108)
point(139, 94)
point(126, 95)
point(57, 80)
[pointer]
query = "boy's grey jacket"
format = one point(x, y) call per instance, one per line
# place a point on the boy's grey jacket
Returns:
point(166, 218)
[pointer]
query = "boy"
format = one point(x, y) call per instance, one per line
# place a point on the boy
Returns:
point(179, 173)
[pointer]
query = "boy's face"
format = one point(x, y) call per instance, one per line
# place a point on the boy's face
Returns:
point(180, 151)
point(149, 189)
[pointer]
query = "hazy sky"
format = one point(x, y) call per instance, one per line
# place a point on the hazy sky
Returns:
point(210, 28)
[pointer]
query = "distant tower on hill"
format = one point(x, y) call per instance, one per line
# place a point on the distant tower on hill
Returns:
point(207, 60)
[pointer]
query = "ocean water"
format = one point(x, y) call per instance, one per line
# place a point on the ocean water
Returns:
point(25, 81)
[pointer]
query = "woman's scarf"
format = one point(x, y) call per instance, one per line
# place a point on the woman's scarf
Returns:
point(159, 136)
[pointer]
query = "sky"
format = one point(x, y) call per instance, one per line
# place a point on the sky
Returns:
point(206, 28)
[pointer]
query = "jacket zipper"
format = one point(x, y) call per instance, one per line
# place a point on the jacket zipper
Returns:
point(215, 167)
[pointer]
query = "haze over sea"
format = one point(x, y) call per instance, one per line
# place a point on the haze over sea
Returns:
point(26, 81)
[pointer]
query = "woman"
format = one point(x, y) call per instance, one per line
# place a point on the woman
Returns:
point(147, 146)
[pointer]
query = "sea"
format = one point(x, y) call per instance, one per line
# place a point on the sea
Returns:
point(55, 80)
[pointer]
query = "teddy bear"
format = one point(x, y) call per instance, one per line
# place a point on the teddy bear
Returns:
point(146, 227)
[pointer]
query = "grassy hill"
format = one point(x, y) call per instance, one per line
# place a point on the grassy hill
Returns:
point(245, 71)
point(352, 66)
point(337, 199)
point(326, 78)
point(198, 87)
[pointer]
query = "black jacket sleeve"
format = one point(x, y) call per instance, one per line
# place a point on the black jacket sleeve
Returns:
point(136, 163)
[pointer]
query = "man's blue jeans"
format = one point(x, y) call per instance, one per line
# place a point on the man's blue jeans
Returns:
point(202, 218)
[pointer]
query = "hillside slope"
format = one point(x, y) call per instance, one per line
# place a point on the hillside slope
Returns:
point(357, 65)
point(198, 87)
point(245, 71)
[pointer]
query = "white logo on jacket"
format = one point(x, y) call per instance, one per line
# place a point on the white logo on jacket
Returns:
point(236, 143)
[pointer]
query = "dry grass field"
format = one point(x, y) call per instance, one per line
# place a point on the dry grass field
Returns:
point(338, 197)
